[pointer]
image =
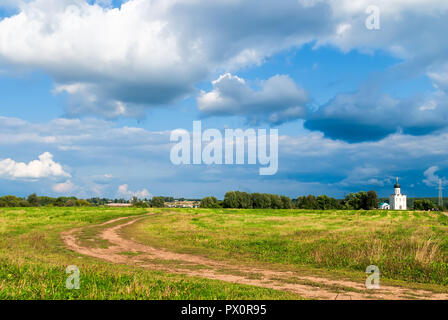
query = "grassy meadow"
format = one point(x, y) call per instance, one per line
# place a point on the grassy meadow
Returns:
point(33, 260)
point(410, 248)
point(407, 246)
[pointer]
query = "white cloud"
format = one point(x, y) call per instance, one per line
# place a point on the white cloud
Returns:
point(64, 187)
point(401, 21)
point(45, 167)
point(102, 149)
point(431, 179)
point(109, 60)
point(77, 136)
point(371, 176)
point(439, 77)
point(142, 194)
point(279, 99)
point(114, 61)
point(124, 192)
point(428, 105)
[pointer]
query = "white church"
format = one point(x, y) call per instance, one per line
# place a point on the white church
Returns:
point(397, 200)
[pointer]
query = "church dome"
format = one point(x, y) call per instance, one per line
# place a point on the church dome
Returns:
point(397, 185)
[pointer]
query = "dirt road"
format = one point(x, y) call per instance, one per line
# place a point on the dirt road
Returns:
point(127, 251)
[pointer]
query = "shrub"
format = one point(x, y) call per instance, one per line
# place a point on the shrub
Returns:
point(424, 204)
point(158, 202)
point(209, 202)
point(141, 204)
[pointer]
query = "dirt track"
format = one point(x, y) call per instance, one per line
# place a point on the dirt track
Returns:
point(191, 265)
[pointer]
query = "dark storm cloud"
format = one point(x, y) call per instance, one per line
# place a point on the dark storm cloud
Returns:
point(366, 116)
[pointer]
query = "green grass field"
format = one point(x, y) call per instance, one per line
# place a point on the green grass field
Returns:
point(405, 245)
point(409, 248)
point(33, 260)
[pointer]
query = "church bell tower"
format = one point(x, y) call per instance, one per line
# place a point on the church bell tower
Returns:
point(397, 188)
point(397, 200)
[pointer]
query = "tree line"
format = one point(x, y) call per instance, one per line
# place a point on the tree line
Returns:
point(155, 202)
point(35, 201)
point(41, 201)
point(243, 200)
point(232, 199)
point(426, 204)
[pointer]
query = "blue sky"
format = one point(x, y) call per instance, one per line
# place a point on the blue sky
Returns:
point(90, 92)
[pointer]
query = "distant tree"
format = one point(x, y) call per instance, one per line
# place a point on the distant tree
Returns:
point(158, 202)
point(24, 203)
point(10, 201)
point(361, 200)
point(82, 203)
point(98, 201)
point(424, 204)
point(286, 202)
point(276, 202)
point(257, 201)
point(261, 200)
point(353, 201)
point(230, 200)
point(141, 204)
point(209, 202)
point(33, 200)
point(46, 201)
point(307, 202)
point(372, 200)
point(362, 195)
point(325, 203)
point(70, 203)
point(299, 202)
point(244, 200)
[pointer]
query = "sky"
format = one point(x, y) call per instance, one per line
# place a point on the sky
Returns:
point(90, 92)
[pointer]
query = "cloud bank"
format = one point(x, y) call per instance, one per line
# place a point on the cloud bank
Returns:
point(45, 167)
point(369, 116)
point(278, 100)
point(124, 192)
point(115, 61)
point(64, 187)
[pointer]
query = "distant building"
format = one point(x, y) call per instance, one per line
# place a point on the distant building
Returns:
point(119, 204)
point(182, 204)
point(384, 206)
point(397, 200)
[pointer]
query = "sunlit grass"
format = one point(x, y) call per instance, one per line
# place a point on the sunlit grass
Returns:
point(33, 260)
point(406, 246)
